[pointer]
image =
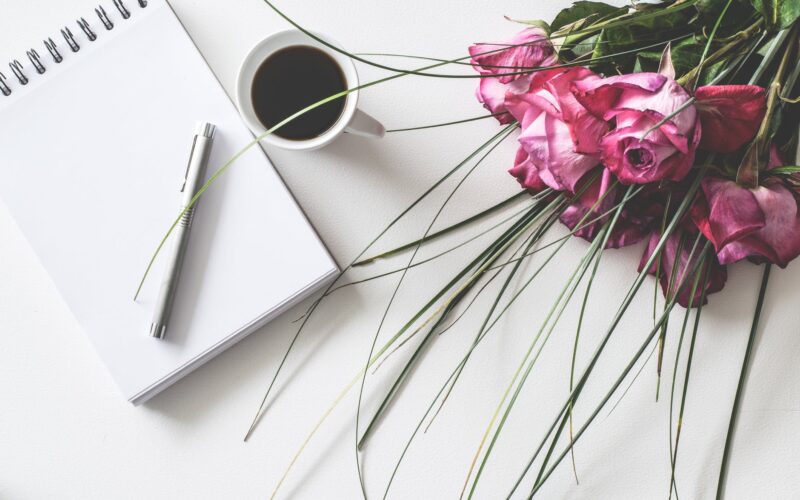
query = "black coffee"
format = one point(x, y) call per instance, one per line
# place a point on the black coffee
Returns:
point(292, 79)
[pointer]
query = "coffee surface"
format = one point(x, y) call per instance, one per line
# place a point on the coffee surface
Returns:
point(292, 79)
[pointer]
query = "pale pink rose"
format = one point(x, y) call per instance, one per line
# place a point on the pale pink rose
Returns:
point(560, 135)
point(636, 103)
point(503, 64)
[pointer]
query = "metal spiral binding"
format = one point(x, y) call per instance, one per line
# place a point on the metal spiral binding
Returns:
point(36, 60)
point(101, 13)
point(4, 88)
point(51, 47)
point(124, 12)
point(84, 24)
point(37, 63)
point(16, 67)
point(70, 39)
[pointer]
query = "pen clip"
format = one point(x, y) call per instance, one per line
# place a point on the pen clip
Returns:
point(189, 164)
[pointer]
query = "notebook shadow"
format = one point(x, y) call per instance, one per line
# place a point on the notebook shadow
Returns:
point(193, 398)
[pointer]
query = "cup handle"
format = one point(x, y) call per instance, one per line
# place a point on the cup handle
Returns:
point(364, 125)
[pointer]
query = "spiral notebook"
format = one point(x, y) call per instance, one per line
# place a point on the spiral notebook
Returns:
point(95, 131)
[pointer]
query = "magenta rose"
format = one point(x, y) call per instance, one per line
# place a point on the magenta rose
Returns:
point(635, 103)
point(528, 49)
point(761, 224)
point(682, 240)
point(561, 137)
point(595, 207)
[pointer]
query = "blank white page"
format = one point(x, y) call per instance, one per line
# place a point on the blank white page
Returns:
point(92, 158)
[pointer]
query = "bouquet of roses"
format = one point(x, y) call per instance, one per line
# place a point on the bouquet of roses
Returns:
point(590, 136)
point(671, 124)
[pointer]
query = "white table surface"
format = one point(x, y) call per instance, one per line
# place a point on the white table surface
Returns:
point(65, 431)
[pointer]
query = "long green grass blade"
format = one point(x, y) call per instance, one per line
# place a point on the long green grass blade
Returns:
point(552, 319)
point(698, 311)
point(447, 230)
point(653, 332)
point(737, 400)
point(681, 210)
point(446, 124)
point(506, 133)
point(490, 253)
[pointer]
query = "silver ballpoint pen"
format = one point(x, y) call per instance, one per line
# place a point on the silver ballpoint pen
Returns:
point(193, 180)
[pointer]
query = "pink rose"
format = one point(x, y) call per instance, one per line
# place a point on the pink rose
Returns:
point(595, 207)
point(636, 103)
point(528, 49)
point(683, 239)
point(730, 114)
point(560, 135)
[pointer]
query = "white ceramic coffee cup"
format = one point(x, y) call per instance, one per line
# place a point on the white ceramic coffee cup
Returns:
point(352, 120)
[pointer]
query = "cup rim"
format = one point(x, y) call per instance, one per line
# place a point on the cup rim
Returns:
point(268, 46)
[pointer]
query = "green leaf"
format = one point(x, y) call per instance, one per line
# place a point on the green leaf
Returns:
point(539, 23)
point(582, 10)
point(778, 14)
point(624, 37)
point(739, 13)
point(685, 56)
point(785, 170)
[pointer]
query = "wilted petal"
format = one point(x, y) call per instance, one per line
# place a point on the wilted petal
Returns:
point(733, 212)
point(730, 114)
point(599, 96)
point(665, 101)
point(492, 94)
point(778, 241)
point(528, 49)
point(526, 172)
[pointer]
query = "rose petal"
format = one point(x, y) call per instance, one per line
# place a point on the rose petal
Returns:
point(492, 94)
point(731, 115)
point(666, 101)
point(598, 96)
point(548, 140)
point(733, 212)
point(526, 173)
point(529, 48)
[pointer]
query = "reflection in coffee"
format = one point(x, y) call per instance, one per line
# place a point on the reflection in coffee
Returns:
point(292, 79)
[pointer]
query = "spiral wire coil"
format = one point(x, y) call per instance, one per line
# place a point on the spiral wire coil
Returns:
point(18, 69)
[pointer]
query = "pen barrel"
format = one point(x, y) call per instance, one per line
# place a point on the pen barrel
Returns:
point(170, 280)
point(193, 182)
point(196, 170)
